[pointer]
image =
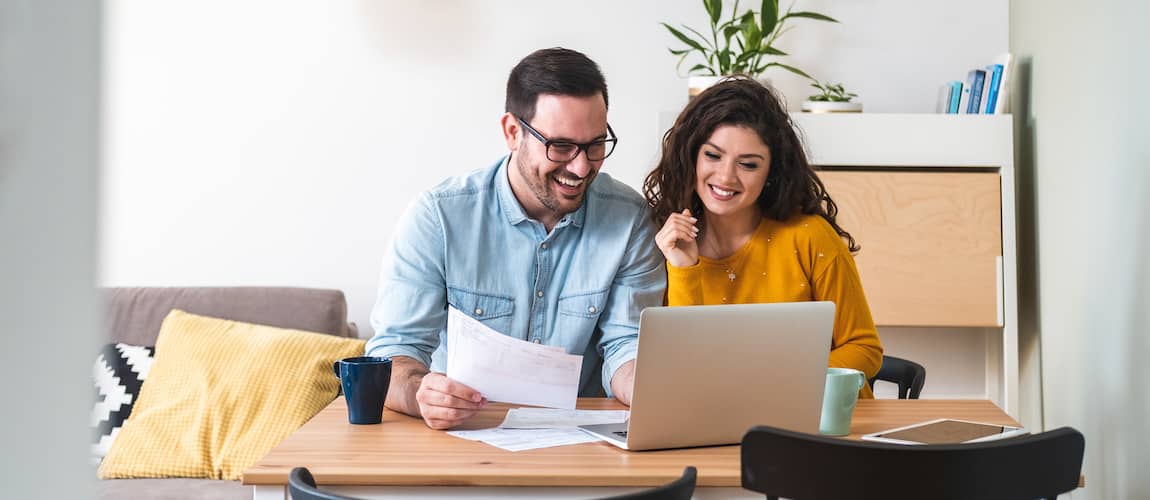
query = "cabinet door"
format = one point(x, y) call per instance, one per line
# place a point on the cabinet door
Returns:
point(931, 243)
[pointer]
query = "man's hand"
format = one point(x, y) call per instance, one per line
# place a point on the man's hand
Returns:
point(445, 403)
point(441, 402)
point(623, 382)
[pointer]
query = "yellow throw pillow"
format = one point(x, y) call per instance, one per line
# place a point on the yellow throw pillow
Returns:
point(221, 394)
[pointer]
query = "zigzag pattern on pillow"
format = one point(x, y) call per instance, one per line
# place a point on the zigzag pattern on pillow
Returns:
point(118, 374)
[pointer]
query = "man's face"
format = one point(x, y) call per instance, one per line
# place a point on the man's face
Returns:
point(547, 189)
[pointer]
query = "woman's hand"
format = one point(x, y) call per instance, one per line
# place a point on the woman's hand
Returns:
point(677, 240)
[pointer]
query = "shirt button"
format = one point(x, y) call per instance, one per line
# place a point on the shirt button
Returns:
point(543, 246)
point(478, 311)
point(591, 309)
point(539, 293)
point(536, 341)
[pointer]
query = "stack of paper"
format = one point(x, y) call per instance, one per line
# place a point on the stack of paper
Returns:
point(531, 428)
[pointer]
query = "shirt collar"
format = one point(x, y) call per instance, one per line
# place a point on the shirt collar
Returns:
point(513, 210)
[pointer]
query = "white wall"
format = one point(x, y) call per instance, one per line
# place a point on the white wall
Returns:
point(49, 76)
point(1089, 188)
point(275, 142)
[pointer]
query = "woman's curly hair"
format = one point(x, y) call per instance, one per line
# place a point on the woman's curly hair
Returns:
point(792, 186)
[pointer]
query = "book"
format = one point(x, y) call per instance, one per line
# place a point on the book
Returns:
point(955, 97)
point(1002, 103)
point(976, 80)
point(942, 105)
point(995, 71)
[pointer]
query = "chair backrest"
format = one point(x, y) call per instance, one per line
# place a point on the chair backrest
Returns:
point(679, 489)
point(783, 463)
point(301, 484)
point(909, 376)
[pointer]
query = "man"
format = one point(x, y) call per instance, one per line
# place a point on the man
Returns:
point(539, 246)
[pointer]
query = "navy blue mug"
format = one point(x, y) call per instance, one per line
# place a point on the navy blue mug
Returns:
point(364, 380)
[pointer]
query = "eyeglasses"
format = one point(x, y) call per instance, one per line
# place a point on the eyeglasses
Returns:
point(564, 151)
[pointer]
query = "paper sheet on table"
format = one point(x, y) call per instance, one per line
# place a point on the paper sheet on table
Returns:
point(526, 439)
point(546, 418)
point(508, 369)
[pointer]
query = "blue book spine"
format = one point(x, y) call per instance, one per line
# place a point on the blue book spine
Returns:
point(995, 82)
point(955, 95)
point(976, 79)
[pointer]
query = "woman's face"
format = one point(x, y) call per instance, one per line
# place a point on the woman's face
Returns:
point(731, 170)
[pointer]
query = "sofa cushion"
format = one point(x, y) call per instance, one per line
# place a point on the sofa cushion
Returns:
point(221, 394)
point(119, 371)
point(135, 314)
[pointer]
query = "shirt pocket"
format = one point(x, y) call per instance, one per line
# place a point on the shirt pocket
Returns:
point(492, 310)
point(579, 313)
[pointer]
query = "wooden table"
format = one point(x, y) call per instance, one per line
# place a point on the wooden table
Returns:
point(402, 458)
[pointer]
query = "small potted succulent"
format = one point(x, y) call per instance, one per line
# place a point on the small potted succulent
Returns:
point(741, 42)
point(832, 98)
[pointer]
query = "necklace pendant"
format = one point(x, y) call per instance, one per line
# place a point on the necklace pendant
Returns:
point(731, 276)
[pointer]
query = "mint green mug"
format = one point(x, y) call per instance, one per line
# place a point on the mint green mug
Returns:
point(839, 397)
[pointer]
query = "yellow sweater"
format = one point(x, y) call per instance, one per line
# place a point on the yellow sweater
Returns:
point(801, 259)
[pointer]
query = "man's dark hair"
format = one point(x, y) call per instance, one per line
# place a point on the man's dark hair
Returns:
point(552, 71)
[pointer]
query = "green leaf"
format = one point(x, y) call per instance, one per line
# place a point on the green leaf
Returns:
point(680, 52)
point(683, 38)
point(769, 14)
point(752, 34)
point(792, 69)
point(701, 37)
point(702, 68)
point(724, 61)
point(728, 32)
point(767, 49)
point(810, 15)
point(714, 9)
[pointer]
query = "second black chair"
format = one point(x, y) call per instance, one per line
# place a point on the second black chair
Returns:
point(909, 376)
point(302, 486)
point(782, 463)
point(679, 489)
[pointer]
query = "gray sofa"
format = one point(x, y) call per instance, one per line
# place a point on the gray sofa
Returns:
point(135, 315)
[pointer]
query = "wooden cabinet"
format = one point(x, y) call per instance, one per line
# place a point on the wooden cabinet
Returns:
point(931, 243)
point(930, 198)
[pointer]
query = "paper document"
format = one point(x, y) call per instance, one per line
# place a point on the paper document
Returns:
point(508, 369)
point(543, 418)
point(526, 439)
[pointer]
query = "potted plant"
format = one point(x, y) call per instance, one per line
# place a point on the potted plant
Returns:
point(833, 98)
point(743, 44)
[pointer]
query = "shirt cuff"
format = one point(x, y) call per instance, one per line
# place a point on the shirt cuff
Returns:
point(388, 351)
point(617, 360)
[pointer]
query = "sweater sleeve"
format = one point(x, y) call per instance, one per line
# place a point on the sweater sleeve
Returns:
point(855, 343)
point(685, 285)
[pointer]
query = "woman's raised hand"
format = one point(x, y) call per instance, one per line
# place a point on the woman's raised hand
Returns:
point(677, 239)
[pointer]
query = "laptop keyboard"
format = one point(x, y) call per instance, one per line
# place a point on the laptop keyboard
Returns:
point(622, 434)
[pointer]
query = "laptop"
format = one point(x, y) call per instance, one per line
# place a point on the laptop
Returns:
point(704, 375)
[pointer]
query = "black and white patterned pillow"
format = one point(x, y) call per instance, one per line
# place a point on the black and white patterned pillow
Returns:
point(119, 372)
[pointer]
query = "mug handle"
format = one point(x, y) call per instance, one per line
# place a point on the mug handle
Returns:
point(862, 381)
point(335, 367)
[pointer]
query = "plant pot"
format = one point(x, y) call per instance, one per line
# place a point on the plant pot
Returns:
point(831, 107)
point(697, 84)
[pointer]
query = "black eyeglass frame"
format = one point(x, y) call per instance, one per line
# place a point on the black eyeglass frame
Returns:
point(612, 139)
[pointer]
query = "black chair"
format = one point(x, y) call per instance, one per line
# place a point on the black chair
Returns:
point(781, 463)
point(301, 484)
point(909, 376)
point(679, 489)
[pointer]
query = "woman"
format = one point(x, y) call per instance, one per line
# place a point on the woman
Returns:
point(745, 219)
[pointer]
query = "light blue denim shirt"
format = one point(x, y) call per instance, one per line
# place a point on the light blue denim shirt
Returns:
point(468, 243)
